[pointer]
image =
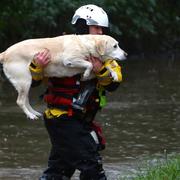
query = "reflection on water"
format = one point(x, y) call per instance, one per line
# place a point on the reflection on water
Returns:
point(140, 120)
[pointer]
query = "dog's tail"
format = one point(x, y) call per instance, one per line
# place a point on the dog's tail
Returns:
point(1, 57)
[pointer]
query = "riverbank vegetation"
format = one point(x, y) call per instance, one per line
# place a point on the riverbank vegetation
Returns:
point(163, 170)
point(140, 26)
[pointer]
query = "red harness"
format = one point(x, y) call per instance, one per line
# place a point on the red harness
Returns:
point(61, 91)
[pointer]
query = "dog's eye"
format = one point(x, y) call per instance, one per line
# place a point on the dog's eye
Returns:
point(115, 46)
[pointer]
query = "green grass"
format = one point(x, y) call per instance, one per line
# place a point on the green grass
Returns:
point(166, 170)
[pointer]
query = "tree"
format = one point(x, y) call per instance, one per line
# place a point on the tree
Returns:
point(139, 25)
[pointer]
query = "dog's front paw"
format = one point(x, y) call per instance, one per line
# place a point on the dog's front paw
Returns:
point(84, 78)
point(86, 75)
point(114, 76)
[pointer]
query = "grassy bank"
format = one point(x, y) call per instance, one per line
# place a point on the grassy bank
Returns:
point(164, 170)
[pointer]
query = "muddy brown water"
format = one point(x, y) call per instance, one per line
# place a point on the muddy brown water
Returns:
point(141, 120)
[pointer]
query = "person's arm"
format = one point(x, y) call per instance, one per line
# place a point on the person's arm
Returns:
point(104, 75)
point(40, 60)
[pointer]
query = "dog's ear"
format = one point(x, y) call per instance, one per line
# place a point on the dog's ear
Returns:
point(101, 47)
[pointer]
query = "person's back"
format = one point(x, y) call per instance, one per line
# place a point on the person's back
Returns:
point(72, 105)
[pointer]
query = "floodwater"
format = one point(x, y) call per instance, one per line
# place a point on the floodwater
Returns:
point(141, 121)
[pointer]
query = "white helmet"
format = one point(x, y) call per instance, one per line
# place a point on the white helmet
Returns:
point(93, 15)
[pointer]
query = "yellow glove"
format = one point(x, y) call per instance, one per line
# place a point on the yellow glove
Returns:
point(41, 59)
point(110, 72)
point(36, 71)
point(53, 113)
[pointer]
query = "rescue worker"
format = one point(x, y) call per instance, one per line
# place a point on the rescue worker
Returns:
point(72, 105)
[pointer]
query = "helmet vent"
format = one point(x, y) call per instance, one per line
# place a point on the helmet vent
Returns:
point(88, 17)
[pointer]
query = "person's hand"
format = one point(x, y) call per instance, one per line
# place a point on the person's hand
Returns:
point(96, 62)
point(42, 58)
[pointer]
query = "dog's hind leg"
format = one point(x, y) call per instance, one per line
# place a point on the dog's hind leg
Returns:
point(20, 77)
point(22, 100)
point(31, 109)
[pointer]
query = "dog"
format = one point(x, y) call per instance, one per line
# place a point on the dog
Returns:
point(68, 58)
